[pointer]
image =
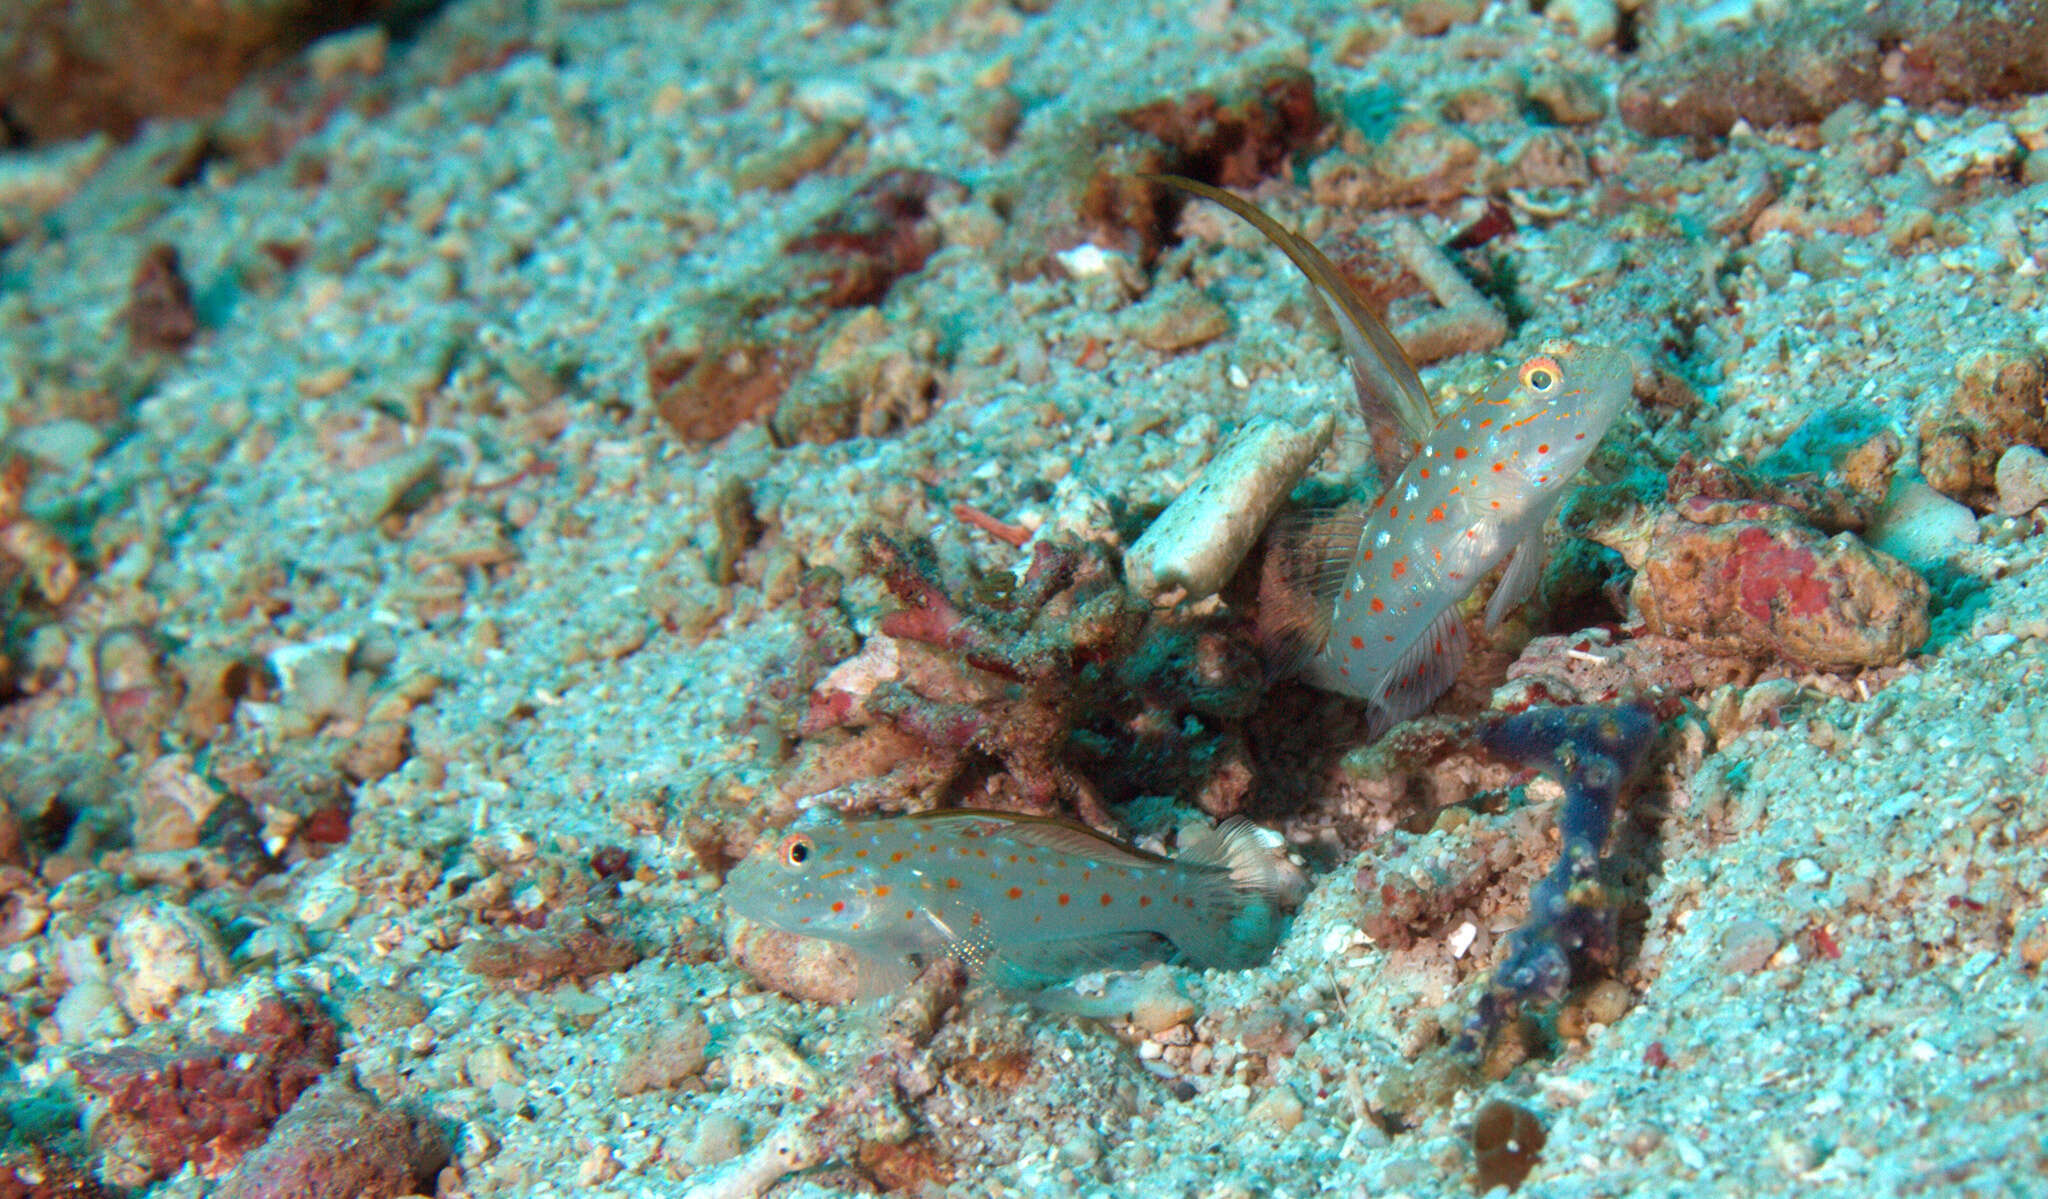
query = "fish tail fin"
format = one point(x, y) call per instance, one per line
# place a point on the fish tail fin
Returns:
point(1233, 882)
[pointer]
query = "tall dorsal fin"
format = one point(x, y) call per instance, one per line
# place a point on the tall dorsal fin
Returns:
point(1397, 409)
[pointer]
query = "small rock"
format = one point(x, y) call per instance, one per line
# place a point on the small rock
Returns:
point(1921, 526)
point(665, 1059)
point(358, 52)
point(720, 1137)
point(1160, 1005)
point(1279, 1107)
point(1746, 945)
point(89, 1012)
point(1428, 18)
point(1748, 578)
point(1987, 150)
point(1594, 22)
point(163, 952)
point(2022, 480)
point(490, 1064)
point(1567, 97)
point(401, 483)
point(314, 676)
point(1178, 321)
point(171, 805)
point(2032, 942)
point(338, 1142)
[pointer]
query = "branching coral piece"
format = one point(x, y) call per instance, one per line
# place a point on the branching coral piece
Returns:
point(1066, 679)
point(1592, 752)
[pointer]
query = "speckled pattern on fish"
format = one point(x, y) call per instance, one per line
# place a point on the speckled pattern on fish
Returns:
point(1479, 489)
point(1026, 900)
point(1364, 600)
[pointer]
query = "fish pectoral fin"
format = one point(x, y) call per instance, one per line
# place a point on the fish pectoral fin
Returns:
point(880, 974)
point(1308, 556)
point(1524, 569)
point(1424, 670)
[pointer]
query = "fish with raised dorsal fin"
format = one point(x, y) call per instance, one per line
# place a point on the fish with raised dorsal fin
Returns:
point(1364, 600)
point(1023, 900)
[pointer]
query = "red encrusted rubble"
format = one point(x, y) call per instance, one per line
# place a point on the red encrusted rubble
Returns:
point(206, 1106)
point(339, 1143)
point(1749, 578)
point(1822, 55)
point(883, 232)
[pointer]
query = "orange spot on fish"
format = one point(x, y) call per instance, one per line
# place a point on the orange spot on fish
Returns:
point(1436, 514)
point(952, 884)
point(1105, 899)
point(1144, 901)
point(1393, 510)
point(1400, 567)
point(1499, 467)
point(881, 890)
point(1064, 897)
point(860, 853)
point(1015, 892)
point(838, 905)
point(909, 914)
point(896, 857)
point(1378, 605)
point(1486, 422)
point(1425, 472)
point(1358, 642)
point(976, 920)
point(1460, 452)
point(1544, 448)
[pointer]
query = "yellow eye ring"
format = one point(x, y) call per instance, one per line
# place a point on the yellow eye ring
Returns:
point(795, 850)
point(1540, 375)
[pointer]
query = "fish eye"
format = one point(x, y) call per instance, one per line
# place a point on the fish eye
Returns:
point(795, 849)
point(1540, 374)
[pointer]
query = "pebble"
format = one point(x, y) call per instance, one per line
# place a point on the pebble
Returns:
point(163, 952)
point(490, 1065)
point(1746, 945)
point(720, 1137)
point(1922, 527)
point(314, 675)
point(1279, 1108)
point(2022, 480)
point(1160, 1006)
point(89, 1012)
point(1985, 150)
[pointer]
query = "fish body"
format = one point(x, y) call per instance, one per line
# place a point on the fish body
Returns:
point(1024, 900)
point(1477, 492)
point(1363, 600)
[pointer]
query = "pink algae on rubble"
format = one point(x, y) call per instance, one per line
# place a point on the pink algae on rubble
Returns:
point(1746, 577)
point(206, 1106)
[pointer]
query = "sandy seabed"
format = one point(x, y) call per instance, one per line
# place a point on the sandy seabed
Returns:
point(449, 513)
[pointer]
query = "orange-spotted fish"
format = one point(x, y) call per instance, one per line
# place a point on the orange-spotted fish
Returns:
point(1025, 900)
point(1364, 600)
